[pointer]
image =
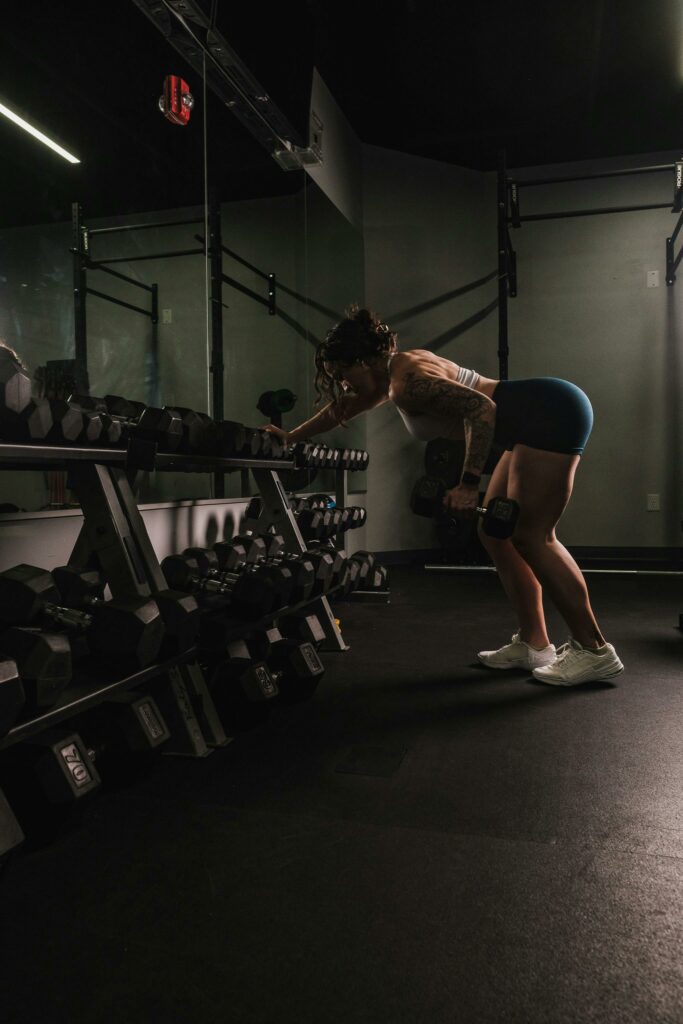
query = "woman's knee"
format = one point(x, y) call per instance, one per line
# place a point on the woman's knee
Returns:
point(526, 541)
point(493, 545)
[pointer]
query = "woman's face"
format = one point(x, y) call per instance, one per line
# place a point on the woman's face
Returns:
point(358, 377)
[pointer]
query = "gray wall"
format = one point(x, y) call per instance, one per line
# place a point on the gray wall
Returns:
point(428, 232)
point(584, 312)
point(340, 175)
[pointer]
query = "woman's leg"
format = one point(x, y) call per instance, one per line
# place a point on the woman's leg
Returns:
point(518, 580)
point(541, 482)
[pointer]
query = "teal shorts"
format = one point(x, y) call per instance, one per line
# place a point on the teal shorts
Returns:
point(542, 412)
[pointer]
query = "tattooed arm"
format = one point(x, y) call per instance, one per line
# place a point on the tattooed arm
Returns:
point(436, 396)
point(329, 417)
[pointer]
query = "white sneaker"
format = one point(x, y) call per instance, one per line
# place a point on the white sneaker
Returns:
point(576, 664)
point(518, 654)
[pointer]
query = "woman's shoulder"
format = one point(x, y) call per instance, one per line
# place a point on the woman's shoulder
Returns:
point(421, 360)
point(416, 355)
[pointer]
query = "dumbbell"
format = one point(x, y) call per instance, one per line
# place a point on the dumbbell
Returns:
point(242, 687)
point(296, 664)
point(499, 519)
point(306, 454)
point(366, 563)
point(122, 735)
point(267, 550)
point(235, 440)
point(25, 420)
point(280, 575)
point(378, 578)
point(311, 501)
point(129, 631)
point(248, 592)
point(356, 517)
point(352, 578)
point(313, 523)
point(351, 459)
point(339, 569)
point(12, 694)
point(179, 611)
point(44, 663)
point(11, 835)
point(163, 427)
point(304, 628)
point(48, 780)
point(310, 584)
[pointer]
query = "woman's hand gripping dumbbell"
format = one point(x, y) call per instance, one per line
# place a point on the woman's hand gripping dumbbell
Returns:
point(500, 517)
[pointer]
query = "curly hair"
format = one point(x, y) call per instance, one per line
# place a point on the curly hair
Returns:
point(360, 338)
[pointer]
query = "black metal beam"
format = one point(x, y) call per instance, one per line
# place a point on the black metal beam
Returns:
point(118, 302)
point(79, 249)
point(151, 256)
point(142, 227)
point(503, 347)
point(217, 368)
point(153, 389)
point(603, 174)
point(121, 277)
point(592, 213)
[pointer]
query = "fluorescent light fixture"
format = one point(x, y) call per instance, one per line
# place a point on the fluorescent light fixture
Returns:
point(6, 112)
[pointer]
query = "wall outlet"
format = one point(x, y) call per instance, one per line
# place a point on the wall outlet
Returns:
point(653, 503)
point(167, 316)
point(653, 279)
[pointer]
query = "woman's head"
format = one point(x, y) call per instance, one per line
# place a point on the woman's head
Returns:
point(358, 341)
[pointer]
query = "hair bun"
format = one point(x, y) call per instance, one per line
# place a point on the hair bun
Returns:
point(363, 317)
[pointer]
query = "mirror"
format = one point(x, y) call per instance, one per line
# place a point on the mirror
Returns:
point(104, 259)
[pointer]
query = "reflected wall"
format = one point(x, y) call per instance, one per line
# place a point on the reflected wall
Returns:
point(137, 170)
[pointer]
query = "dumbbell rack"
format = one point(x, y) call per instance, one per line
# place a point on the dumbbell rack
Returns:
point(115, 541)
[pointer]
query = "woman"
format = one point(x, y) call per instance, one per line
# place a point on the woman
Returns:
point(543, 424)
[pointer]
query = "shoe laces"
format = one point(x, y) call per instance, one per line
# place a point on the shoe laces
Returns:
point(565, 650)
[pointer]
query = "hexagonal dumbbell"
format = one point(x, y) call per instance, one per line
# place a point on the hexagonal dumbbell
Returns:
point(129, 631)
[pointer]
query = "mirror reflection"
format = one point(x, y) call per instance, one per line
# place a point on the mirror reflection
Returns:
point(105, 284)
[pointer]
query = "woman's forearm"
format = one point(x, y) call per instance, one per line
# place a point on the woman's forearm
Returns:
point(331, 416)
point(479, 434)
point(323, 421)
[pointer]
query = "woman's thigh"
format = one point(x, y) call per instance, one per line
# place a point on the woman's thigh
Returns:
point(541, 483)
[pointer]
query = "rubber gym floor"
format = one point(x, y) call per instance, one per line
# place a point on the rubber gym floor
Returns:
point(425, 841)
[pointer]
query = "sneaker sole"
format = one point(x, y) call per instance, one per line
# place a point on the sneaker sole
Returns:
point(513, 664)
point(577, 682)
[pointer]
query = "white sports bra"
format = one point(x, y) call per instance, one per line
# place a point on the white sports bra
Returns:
point(426, 428)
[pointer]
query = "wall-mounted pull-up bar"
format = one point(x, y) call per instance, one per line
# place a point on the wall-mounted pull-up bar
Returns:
point(509, 215)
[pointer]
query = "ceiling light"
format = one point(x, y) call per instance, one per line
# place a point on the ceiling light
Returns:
point(6, 112)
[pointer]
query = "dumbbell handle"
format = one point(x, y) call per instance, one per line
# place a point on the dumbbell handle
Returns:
point(67, 616)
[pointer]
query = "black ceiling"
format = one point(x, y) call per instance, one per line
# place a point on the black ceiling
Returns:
point(445, 80)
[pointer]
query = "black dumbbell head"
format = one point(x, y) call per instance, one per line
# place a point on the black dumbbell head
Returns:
point(15, 384)
point(77, 586)
point(126, 408)
point(162, 426)
point(68, 425)
point(43, 660)
point(180, 615)
point(179, 572)
point(24, 589)
point(231, 438)
point(12, 695)
point(306, 628)
point(199, 432)
point(127, 630)
point(230, 555)
point(427, 496)
point(206, 559)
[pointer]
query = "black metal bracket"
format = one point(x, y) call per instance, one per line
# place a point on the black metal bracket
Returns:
point(514, 204)
point(673, 261)
point(276, 514)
